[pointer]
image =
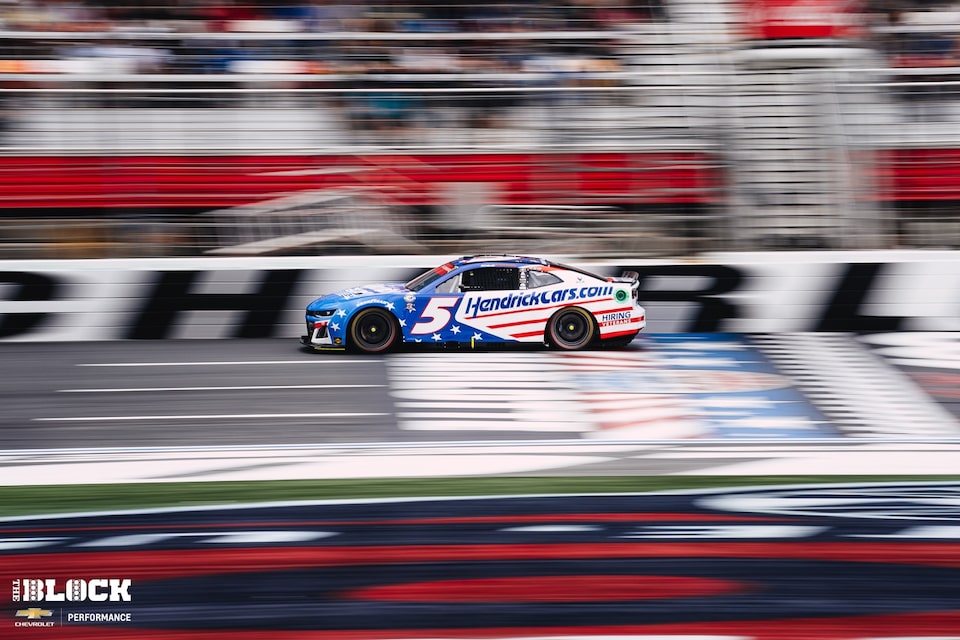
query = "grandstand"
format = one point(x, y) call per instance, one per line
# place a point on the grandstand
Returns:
point(682, 126)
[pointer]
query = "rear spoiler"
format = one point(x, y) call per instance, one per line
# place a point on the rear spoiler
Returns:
point(631, 277)
point(627, 276)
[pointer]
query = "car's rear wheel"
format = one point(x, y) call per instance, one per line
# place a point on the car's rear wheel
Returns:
point(373, 330)
point(571, 328)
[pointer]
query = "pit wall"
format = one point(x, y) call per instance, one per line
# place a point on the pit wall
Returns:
point(79, 300)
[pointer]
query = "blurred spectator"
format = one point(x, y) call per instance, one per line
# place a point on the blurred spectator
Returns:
point(392, 85)
point(221, 14)
point(327, 15)
point(372, 110)
point(382, 114)
point(52, 15)
point(111, 56)
point(918, 44)
point(607, 14)
point(330, 15)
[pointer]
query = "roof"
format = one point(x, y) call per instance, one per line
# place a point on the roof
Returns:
point(500, 258)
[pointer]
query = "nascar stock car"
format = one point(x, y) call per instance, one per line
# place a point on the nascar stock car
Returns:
point(482, 300)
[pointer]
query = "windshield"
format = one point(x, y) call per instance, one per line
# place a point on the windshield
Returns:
point(429, 277)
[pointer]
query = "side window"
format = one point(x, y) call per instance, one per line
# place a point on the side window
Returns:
point(490, 279)
point(541, 279)
point(448, 286)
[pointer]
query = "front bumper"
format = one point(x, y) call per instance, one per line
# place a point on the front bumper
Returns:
point(318, 334)
point(318, 337)
point(307, 341)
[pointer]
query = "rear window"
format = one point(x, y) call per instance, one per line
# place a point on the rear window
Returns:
point(537, 279)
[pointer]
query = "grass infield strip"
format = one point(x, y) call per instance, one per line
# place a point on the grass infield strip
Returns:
point(30, 500)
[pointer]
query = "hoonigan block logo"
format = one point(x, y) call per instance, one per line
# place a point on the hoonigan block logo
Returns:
point(40, 592)
point(71, 590)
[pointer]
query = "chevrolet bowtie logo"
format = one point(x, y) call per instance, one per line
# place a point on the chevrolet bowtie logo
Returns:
point(34, 613)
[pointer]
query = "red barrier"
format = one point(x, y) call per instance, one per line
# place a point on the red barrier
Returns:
point(223, 181)
point(209, 182)
point(801, 19)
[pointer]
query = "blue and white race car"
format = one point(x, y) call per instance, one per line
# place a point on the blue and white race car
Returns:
point(480, 300)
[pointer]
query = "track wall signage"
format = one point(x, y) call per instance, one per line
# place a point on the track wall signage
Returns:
point(261, 298)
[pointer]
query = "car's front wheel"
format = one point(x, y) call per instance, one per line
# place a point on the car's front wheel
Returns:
point(373, 330)
point(571, 328)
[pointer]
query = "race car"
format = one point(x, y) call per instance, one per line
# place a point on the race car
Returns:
point(482, 300)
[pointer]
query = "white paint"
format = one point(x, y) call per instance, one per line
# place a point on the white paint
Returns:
point(13, 544)
point(723, 532)
point(782, 291)
point(772, 422)
point(221, 363)
point(842, 463)
point(224, 416)
point(350, 465)
point(210, 537)
point(523, 392)
point(553, 528)
point(667, 429)
point(502, 422)
point(385, 460)
point(855, 389)
point(935, 350)
point(245, 388)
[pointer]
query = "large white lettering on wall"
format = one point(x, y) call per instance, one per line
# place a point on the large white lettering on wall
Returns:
point(259, 298)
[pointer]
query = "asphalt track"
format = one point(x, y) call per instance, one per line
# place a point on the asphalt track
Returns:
point(195, 392)
point(269, 392)
point(669, 404)
point(841, 563)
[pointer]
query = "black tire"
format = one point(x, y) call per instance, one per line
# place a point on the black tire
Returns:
point(571, 328)
point(373, 330)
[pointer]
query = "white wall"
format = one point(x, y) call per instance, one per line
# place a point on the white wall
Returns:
point(76, 300)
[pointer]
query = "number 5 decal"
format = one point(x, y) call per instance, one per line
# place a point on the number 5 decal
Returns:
point(436, 315)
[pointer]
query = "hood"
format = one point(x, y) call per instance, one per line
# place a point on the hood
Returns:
point(356, 294)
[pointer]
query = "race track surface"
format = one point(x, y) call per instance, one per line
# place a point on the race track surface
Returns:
point(817, 562)
point(663, 387)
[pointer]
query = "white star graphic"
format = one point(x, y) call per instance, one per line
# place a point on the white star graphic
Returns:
point(334, 326)
point(455, 329)
point(436, 337)
point(342, 313)
point(403, 322)
point(477, 337)
point(389, 306)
